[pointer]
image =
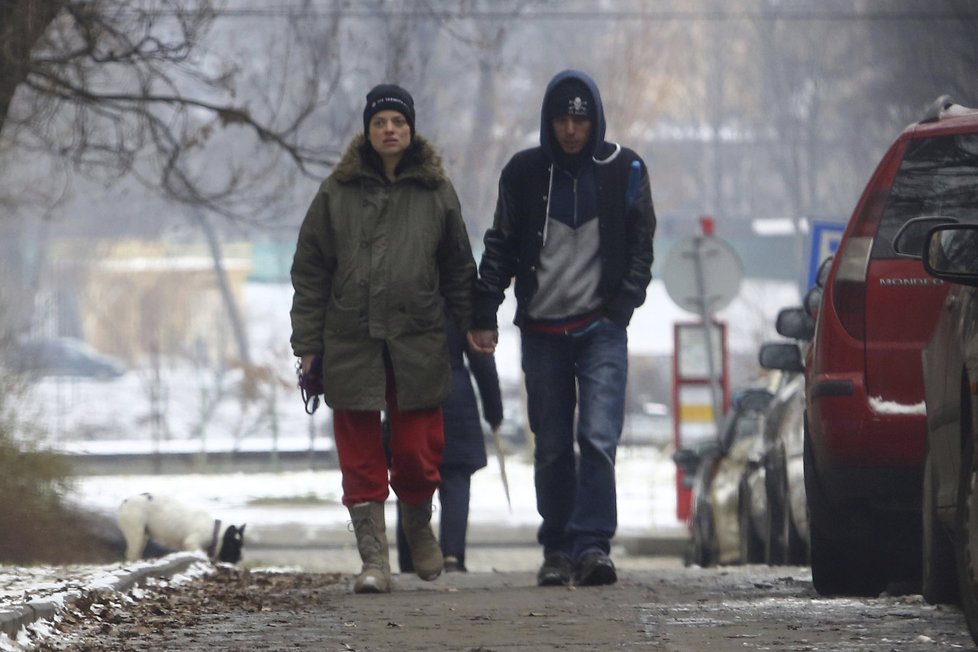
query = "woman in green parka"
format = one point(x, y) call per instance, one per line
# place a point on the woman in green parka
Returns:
point(381, 256)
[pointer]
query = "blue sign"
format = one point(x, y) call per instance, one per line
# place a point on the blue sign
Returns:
point(825, 242)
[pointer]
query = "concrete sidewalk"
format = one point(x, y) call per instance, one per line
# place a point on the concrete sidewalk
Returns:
point(493, 552)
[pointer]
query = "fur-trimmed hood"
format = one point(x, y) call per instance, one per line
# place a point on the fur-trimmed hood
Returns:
point(421, 162)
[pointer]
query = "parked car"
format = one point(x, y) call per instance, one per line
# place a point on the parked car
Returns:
point(774, 528)
point(864, 453)
point(950, 368)
point(649, 426)
point(752, 515)
point(62, 356)
point(716, 467)
point(786, 531)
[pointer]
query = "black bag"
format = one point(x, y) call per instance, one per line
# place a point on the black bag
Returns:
point(310, 383)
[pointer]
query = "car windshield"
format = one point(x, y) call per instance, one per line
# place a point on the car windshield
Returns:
point(748, 425)
point(938, 176)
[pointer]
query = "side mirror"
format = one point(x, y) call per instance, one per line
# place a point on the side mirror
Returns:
point(688, 460)
point(951, 253)
point(783, 356)
point(822, 275)
point(795, 323)
point(910, 238)
point(754, 400)
point(812, 302)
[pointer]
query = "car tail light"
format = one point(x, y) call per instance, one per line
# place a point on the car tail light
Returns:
point(849, 287)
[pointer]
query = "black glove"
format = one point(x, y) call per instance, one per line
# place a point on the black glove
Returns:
point(310, 383)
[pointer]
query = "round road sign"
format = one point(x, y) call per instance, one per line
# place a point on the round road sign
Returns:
point(702, 274)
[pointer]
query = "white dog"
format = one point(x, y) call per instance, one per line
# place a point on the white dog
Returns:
point(172, 524)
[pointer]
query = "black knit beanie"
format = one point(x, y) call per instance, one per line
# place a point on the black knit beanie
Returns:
point(384, 97)
point(570, 97)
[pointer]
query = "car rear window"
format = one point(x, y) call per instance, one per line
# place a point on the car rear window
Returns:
point(938, 176)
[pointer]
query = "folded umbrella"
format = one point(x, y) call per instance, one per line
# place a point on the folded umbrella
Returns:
point(502, 464)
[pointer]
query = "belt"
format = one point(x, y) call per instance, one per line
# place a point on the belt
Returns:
point(564, 328)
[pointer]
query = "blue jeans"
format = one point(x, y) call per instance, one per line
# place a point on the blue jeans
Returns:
point(585, 371)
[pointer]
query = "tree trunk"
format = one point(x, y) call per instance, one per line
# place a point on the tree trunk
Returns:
point(22, 23)
point(234, 314)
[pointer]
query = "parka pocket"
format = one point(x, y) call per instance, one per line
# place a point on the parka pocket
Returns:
point(424, 313)
point(344, 321)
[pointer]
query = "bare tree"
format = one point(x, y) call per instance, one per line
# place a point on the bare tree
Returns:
point(130, 88)
point(108, 82)
point(929, 50)
point(481, 30)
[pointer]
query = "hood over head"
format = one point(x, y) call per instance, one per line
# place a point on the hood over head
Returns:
point(566, 94)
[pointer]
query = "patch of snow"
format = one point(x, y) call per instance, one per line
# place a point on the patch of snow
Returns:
point(891, 407)
point(646, 493)
point(61, 585)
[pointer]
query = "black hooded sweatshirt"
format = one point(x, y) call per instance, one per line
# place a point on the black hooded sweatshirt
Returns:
point(579, 243)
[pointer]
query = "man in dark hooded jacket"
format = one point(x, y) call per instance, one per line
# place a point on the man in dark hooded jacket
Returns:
point(574, 224)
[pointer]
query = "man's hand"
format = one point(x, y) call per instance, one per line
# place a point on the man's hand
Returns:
point(307, 361)
point(483, 342)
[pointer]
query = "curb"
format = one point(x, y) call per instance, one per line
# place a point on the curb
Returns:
point(671, 545)
point(15, 617)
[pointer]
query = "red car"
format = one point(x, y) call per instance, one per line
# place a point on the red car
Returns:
point(866, 427)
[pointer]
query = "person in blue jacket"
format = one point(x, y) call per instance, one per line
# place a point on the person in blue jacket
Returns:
point(574, 224)
point(465, 448)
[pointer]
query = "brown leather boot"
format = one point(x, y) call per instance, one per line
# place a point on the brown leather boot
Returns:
point(425, 551)
point(369, 527)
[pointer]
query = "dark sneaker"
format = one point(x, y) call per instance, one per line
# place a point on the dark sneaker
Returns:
point(556, 571)
point(453, 565)
point(595, 569)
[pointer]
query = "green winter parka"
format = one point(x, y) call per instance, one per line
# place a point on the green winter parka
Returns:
point(377, 265)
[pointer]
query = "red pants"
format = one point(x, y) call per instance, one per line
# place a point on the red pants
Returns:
point(416, 444)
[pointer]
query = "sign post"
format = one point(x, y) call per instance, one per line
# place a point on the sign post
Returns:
point(702, 275)
point(696, 382)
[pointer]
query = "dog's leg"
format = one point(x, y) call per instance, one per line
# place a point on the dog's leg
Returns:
point(135, 543)
point(132, 522)
point(191, 543)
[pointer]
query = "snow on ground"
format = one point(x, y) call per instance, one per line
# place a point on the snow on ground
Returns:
point(646, 494)
point(60, 587)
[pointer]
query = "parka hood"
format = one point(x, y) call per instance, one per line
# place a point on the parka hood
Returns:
point(596, 143)
point(421, 162)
